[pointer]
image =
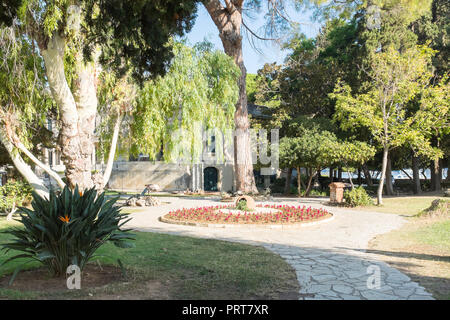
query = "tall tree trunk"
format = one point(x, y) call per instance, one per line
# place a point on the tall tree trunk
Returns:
point(416, 177)
point(312, 173)
point(436, 173)
point(228, 20)
point(367, 175)
point(331, 175)
point(77, 111)
point(389, 186)
point(287, 185)
point(359, 177)
point(77, 169)
point(299, 182)
point(350, 179)
point(383, 176)
point(85, 94)
point(339, 174)
point(423, 174)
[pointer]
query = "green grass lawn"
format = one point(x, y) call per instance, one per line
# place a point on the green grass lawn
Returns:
point(409, 205)
point(436, 234)
point(187, 268)
point(420, 248)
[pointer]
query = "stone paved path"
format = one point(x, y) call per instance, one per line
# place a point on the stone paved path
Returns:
point(329, 258)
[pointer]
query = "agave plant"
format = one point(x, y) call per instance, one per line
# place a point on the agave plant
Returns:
point(67, 229)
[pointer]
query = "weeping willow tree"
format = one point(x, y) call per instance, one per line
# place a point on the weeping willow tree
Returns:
point(24, 103)
point(197, 94)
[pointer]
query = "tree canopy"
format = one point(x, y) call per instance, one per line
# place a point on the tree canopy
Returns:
point(198, 92)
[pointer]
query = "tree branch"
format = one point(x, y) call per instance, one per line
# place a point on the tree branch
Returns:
point(256, 35)
point(112, 150)
point(41, 165)
point(216, 11)
point(23, 168)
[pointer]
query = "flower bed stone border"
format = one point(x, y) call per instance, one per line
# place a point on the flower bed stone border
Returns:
point(324, 219)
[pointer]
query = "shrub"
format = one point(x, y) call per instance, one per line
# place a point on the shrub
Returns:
point(319, 193)
point(357, 197)
point(242, 205)
point(67, 229)
point(277, 186)
point(13, 194)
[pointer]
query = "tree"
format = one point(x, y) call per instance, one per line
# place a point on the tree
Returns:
point(251, 87)
point(305, 151)
point(13, 194)
point(227, 15)
point(117, 99)
point(199, 90)
point(349, 154)
point(67, 33)
point(23, 101)
point(394, 82)
point(310, 143)
point(433, 29)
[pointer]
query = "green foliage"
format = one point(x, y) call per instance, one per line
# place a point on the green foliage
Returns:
point(311, 70)
point(67, 229)
point(199, 90)
point(242, 205)
point(117, 101)
point(357, 197)
point(251, 87)
point(24, 97)
point(267, 82)
point(319, 193)
point(277, 186)
point(13, 194)
point(434, 28)
point(137, 32)
point(349, 153)
point(310, 144)
point(308, 150)
point(383, 108)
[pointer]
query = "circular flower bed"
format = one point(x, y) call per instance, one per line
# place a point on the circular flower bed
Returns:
point(280, 214)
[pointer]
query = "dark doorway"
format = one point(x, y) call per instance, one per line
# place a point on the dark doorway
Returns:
point(210, 178)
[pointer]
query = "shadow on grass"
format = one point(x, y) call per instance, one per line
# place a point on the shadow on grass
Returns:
point(401, 254)
point(320, 269)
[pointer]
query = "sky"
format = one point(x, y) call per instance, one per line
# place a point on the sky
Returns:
point(204, 28)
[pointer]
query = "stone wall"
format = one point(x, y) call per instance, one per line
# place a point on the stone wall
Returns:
point(134, 175)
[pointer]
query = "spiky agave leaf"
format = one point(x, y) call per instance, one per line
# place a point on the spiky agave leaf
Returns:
point(67, 228)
